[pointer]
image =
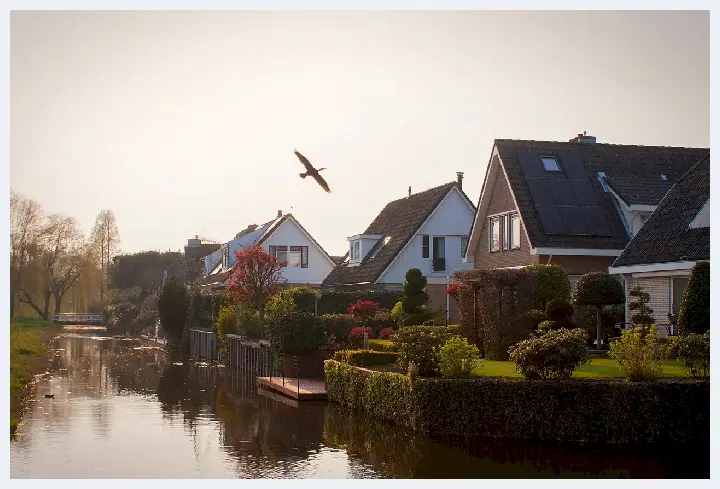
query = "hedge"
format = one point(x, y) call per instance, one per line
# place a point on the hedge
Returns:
point(338, 301)
point(612, 411)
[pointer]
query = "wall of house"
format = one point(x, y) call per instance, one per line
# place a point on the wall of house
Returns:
point(660, 300)
point(318, 265)
point(501, 202)
point(452, 219)
point(578, 265)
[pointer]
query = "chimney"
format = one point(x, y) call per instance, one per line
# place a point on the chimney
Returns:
point(409, 191)
point(279, 214)
point(584, 138)
point(460, 179)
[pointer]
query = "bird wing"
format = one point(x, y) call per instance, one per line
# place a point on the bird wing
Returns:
point(321, 181)
point(304, 161)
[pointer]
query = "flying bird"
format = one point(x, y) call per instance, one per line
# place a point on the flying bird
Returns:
point(312, 172)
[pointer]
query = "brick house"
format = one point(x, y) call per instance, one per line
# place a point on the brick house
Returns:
point(576, 204)
point(676, 236)
point(428, 230)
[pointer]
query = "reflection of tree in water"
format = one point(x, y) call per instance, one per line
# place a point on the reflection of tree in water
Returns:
point(180, 393)
point(404, 454)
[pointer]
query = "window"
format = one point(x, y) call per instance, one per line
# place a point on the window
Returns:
point(279, 252)
point(298, 256)
point(494, 234)
point(225, 257)
point(355, 250)
point(550, 163)
point(426, 246)
point(505, 234)
point(514, 231)
point(463, 246)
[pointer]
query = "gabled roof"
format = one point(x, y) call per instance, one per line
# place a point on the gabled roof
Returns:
point(666, 236)
point(638, 174)
point(399, 220)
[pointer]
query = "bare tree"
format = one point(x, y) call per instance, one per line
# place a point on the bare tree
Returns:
point(105, 240)
point(26, 218)
point(57, 261)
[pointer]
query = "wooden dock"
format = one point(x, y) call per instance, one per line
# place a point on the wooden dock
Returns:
point(299, 389)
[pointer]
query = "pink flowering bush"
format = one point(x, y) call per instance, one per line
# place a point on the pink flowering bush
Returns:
point(385, 333)
point(356, 335)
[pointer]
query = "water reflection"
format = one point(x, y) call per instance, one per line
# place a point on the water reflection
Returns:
point(122, 410)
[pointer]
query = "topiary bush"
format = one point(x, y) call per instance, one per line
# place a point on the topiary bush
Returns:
point(553, 355)
point(385, 333)
point(357, 335)
point(640, 306)
point(417, 344)
point(640, 356)
point(549, 282)
point(457, 358)
point(415, 298)
point(369, 358)
point(598, 289)
point(397, 314)
point(695, 306)
point(532, 319)
point(296, 333)
point(694, 354)
point(559, 310)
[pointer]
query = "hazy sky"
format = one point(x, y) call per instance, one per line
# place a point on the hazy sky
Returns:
point(184, 123)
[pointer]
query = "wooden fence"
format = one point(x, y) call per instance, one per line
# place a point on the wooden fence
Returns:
point(204, 345)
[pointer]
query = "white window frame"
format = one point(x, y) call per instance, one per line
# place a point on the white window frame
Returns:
point(514, 244)
point(355, 251)
point(490, 234)
point(429, 247)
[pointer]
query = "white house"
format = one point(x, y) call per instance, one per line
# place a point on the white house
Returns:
point(428, 230)
point(673, 239)
point(283, 237)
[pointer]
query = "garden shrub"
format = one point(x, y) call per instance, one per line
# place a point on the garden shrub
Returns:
point(296, 333)
point(435, 322)
point(463, 294)
point(340, 356)
point(368, 358)
point(694, 354)
point(532, 319)
point(280, 304)
point(381, 345)
point(397, 314)
point(549, 282)
point(562, 410)
point(640, 306)
point(453, 328)
point(357, 335)
point(586, 317)
point(552, 355)
point(248, 321)
point(598, 289)
point(381, 320)
point(363, 310)
point(338, 301)
point(226, 322)
point(457, 358)
point(545, 326)
point(385, 333)
point(303, 297)
point(418, 344)
point(640, 356)
point(559, 310)
point(695, 306)
point(422, 316)
point(338, 326)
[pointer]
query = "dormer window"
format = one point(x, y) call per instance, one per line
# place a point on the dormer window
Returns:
point(550, 163)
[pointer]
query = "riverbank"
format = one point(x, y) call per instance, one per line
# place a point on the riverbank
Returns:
point(29, 355)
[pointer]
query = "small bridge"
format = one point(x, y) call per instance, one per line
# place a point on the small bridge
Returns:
point(78, 318)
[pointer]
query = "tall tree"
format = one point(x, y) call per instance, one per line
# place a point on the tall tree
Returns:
point(105, 239)
point(26, 218)
point(57, 261)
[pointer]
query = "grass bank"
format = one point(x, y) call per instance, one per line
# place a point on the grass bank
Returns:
point(598, 368)
point(28, 357)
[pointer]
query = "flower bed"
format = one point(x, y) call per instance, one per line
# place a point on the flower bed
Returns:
point(612, 411)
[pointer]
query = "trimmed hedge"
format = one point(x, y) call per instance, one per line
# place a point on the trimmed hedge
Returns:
point(381, 345)
point(565, 410)
point(366, 358)
point(338, 301)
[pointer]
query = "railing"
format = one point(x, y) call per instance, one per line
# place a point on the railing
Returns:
point(73, 317)
point(251, 357)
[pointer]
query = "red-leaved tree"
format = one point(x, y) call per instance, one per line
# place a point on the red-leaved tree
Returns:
point(363, 309)
point(257, 276)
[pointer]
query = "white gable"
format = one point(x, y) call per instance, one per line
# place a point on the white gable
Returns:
point(451, 220)
point(702, 220)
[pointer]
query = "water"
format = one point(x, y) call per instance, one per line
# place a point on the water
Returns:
point(121, 411)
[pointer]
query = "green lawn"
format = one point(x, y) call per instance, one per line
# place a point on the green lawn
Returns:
point(597, 368)
point(27, 337)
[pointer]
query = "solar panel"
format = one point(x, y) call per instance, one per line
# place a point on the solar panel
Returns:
point(562, 192)
point(530, 164)
point(584, 192)
point(541, 190)
point(572, 165)
point(573, 220)
point(596, 221)
point(551, 221)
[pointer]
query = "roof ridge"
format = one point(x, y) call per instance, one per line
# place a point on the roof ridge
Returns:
point(598, 144)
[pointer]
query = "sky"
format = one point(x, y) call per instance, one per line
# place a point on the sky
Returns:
point(184, 123)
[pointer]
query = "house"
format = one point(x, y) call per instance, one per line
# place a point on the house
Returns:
point(675, 237)
point(428, 230)
point(189, 266)
point(576, 204)
point(283, 237)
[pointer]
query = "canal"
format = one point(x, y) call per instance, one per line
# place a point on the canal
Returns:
point(122, 410)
